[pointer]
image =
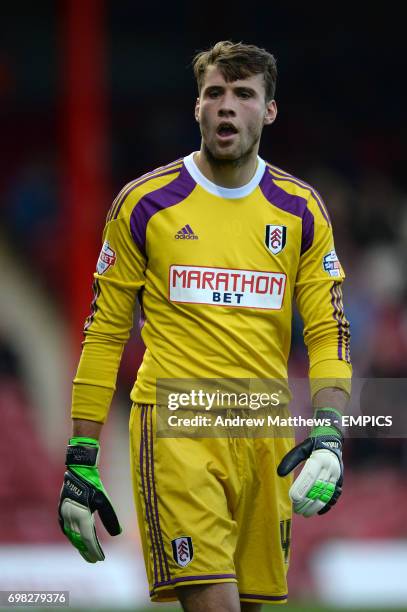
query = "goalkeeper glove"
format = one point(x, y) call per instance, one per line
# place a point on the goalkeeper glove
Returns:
point(82, 493)
point(319, 484)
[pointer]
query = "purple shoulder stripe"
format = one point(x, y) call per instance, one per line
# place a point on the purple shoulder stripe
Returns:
point(284, 176)
point(173, 193)
point(295, 205)
point(140, 181)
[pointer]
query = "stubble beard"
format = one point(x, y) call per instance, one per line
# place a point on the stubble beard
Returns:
point(227, 162)
point(232, 162)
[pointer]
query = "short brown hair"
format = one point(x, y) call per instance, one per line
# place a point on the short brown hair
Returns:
point(237, 61)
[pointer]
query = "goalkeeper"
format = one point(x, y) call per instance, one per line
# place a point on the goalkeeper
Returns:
point(215, 246)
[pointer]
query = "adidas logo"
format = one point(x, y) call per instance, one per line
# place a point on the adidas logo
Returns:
point(186, 233)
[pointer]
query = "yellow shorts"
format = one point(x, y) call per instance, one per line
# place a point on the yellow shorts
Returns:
point(211, 510)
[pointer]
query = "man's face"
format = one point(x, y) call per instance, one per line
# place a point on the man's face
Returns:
point(231, 115)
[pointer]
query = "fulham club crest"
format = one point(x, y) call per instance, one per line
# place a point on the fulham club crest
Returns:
point(276, 237)
point(107, 258)
point(182, 550)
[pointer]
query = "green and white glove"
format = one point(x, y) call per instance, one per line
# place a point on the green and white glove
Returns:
point(319, 484)
point(82, 493)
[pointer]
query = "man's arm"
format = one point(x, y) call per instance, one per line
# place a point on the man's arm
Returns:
point(318, 294)
point(118, 278)
point(86, 429)
point(107, 329)
point(326, 334)
point(332, 397)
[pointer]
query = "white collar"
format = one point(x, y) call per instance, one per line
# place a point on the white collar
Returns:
point(224, 192)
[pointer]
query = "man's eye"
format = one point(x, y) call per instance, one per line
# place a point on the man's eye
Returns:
point(245, 95)
point(214, 93)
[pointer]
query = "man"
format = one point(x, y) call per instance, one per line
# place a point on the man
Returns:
point(215, 245)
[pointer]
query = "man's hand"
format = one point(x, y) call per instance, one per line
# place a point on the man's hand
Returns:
point(82, 493)
point(319, 484)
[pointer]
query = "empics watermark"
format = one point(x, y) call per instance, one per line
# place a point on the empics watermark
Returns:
point(277, 407)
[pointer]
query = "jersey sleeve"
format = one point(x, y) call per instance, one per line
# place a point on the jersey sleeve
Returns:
point(120, 275)
point(318, 293)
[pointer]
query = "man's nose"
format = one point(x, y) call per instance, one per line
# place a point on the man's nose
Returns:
point(227, 106)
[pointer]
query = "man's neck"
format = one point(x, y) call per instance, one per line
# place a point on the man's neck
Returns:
point(227, 174)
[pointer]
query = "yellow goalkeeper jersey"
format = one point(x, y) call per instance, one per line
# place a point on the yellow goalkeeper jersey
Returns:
point(215, 271)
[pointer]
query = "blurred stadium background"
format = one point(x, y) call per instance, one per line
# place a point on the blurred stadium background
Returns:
point(95, 93)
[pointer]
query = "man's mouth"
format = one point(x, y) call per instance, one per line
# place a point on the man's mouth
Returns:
point(226, 129)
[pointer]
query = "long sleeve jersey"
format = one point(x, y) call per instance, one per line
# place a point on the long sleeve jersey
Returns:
point(215, 271)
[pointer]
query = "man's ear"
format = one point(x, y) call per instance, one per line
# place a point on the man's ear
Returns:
point(197, 107)
point(271, 112)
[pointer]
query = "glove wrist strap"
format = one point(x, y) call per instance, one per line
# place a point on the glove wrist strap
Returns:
point(82, 451)
point(332, 426)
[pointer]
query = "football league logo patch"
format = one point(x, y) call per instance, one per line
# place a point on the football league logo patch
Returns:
point(107, 258)
point(182, 550)
point(276, 238)
point(331, 264)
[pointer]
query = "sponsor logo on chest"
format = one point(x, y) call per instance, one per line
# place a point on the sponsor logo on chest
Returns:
point(226, 287)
